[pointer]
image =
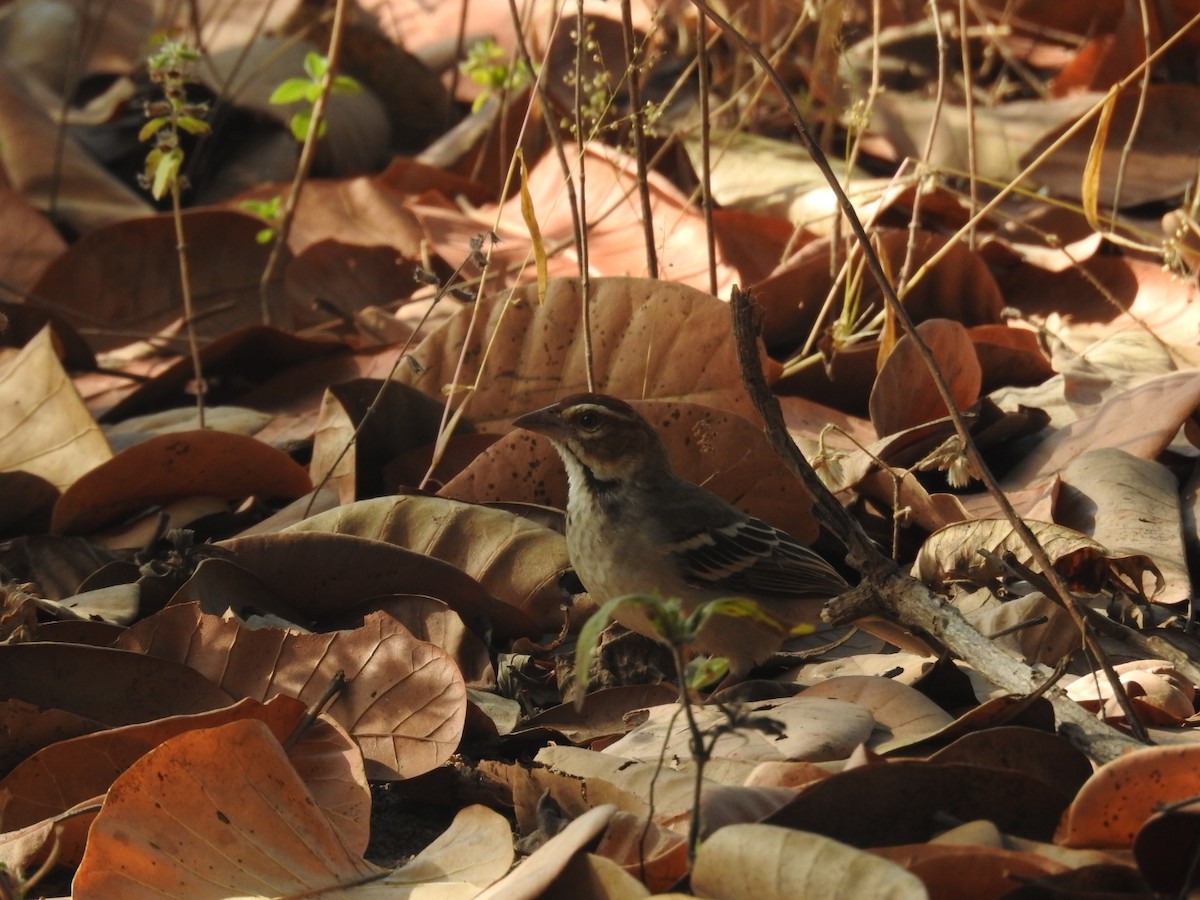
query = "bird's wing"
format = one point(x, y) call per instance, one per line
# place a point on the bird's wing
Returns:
point(749, 557)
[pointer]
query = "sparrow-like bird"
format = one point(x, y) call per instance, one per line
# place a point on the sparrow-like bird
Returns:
point(635, 527)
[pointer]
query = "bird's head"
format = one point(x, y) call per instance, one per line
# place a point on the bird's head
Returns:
point(604, 436)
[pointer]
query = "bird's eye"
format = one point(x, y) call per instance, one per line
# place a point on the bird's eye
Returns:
point(589, 421)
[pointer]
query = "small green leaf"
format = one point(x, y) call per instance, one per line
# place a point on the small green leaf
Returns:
point(701, 671)
point(589, 639)
point(151, 128)
point(265, 235)
point(192, 125)
point(315, 65)
point(166, 173)
point(345, 84)
point(293, 90)
point(300, 124)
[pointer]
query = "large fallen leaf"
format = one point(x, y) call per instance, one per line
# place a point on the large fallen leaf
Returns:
point(534, 876)
point(404, 700)
point(513, 558)
point(907, 802)
point(765, 862)
point(71, 771)
point(616, 240)
point(814, 729)
point(124, 277)
point(106, 684)
point(650, 339)
point(901, 714)
point(1142, 420)
point(173, 466)
point(330, 577)
point(473, 852)
point(1121, 795)
point(214, 812)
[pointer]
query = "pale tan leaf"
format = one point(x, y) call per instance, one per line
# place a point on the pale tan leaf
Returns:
point(811, 729)
point(901, 713)
point(766, 862)
point(1128, 504)
point(45, 429)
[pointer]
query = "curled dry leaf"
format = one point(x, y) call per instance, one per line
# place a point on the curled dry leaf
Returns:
point(513, 559)
point(765, 862)
point(173, 466)
point(217, 811)
point(953, 553)
point(404, 701)
point(1159, 694)
point(969, 871)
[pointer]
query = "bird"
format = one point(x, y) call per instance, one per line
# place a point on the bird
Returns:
point(634, 526)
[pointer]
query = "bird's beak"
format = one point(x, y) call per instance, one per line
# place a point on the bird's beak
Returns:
point(544, 421)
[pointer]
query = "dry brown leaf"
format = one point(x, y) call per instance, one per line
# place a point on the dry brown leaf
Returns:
point(765, 862)
point(1118, 799)
point(134, 687)
point(333, 577)
point(1161, 155)
point(471, 854)
point(651, 340)
point(1158, 693)
point(514, 559)
point(969, 871)
point(73, 771)
point(404, 701)
point(28, 240)
point(25, 729)
point(173, 466)
point(124, 277)
point(907, 802)
point(217, 810)
point(904, 395)
point(616, 242)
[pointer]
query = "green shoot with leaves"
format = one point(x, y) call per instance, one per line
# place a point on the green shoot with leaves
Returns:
point(487, 66)
point(170, 116)
point(307, 90)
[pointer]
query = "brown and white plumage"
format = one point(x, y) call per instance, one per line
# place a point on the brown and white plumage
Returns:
point(634, 526)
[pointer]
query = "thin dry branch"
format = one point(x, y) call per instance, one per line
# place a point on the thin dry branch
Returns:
point(887, 590)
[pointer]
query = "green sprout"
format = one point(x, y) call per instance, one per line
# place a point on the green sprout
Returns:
point(487, 65)
point(307, 90)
